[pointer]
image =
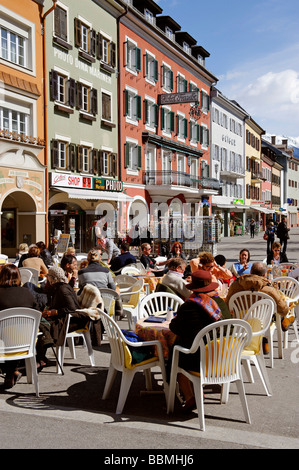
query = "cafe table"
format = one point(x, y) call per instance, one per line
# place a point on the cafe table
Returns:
point(149, 331)
point(150, 281)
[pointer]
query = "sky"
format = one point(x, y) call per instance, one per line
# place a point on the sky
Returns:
point(254, 53)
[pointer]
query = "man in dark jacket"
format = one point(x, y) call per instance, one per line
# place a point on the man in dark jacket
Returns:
point(123, 259)
point(283, 233)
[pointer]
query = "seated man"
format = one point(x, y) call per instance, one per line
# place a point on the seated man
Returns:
point(150, 263)
point(69, 265)
point(174, 278)
point(123, 259)
point(257, 281)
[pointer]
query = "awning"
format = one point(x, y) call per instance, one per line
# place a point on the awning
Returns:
point(95, 195)
point(231, 206)
point(262, 209)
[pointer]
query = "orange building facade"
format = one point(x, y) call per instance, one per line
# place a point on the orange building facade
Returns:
point(22, 155)
point(164, 104)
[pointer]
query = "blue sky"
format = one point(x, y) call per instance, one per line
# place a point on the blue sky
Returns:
point(254, 49)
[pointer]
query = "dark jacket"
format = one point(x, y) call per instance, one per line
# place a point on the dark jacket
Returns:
point(283, 257)
point(46, 256)
point(122, 260)
point(147, 261)
point(282, 231)
point(16, 297)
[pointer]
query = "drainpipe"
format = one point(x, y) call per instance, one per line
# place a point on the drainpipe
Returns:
point(43, 25)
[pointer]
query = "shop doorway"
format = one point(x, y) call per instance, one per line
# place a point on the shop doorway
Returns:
point(68, 220)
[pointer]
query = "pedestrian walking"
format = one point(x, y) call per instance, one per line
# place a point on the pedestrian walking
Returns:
point(283, 234)
point(252, 228)
point(269, 236)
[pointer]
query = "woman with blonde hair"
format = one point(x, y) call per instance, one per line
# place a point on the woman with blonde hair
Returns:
point(94, 273)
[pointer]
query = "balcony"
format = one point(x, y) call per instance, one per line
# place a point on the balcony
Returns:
point(256, 177)
point(232, 170)
point(171, 182)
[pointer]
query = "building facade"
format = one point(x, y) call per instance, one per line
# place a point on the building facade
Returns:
point(85, 189)
point(165, 124)
point(22, 157)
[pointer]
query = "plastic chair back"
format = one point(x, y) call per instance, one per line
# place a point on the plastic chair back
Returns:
point(159, 302)
point(109, 297)
point(130, 269)
point(3, 259)
point(288, 286)
point(26, 275)
point(283, 269)
point(240, 302)
point(35, 274)
point(262, 310)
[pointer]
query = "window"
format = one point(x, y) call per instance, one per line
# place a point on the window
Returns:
point(108, 163)
point(13, 121)
point(151, 68)
point(85, 39)
point(204, 136)
point(149, 16)
point(63, 155)
point(167, 120)
point(133, 62)
point(13, 47)
point(106, 51)
point(186, 47)
point(132, 106)
point(60, 23)
point(169, 33)
point(87, 99)
point(106, 107)
point(84, 159)
point(194, 132)
point(133, 156)
point(167, 78)
point(205, 102)
point(62, 89)
point(151, 110)
point(182, 84)
point(182, 127)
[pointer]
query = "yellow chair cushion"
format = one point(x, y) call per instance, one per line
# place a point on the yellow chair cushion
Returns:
point(128, 359)
point(255, 345)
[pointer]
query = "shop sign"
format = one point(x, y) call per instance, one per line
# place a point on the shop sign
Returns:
point(66, 180)
point(107, 185)
point(238, 201)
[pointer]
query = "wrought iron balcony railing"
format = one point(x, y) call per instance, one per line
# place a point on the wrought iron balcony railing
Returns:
point(177, 178)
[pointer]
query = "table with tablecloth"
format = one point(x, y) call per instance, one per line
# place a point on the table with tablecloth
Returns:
point(156, 331)
point(149, 280)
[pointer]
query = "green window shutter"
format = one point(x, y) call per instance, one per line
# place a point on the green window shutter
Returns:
point(201, 134)
point(138, 59)
point(126, 102)
point(208, 102)
point(185, 128)
point(127, 155)
point(162, 119)
point(185, 85)
point(163, 76)
point(139, 157)
point(146, 64)
point(146, 112)
point(201, 99)
point(197, 132)
point(156, 70)
point(138, 107)
point(171, 115)
point(208, 137)
point(177, 124)
point(171, 80)
point(156, 115)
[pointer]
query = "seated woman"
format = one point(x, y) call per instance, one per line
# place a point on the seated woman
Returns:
point(207, 262)
point(277, 256)
point(45, 254)
point(34, 261)
point(64, 302)
point(200, 310)
point(176, 251)
point(12, 294)
point(174, 278)
point(242, 266)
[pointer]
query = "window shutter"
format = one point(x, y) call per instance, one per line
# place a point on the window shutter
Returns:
point(186, 128)
point(171, 115)
point(171, 80)
point(54, 85)
point(60, 23)
point(93, 42)
point(146, 112)
point(139, 157)
point(80, 158)
point(156, 114)
point(112, 48)
point(54, 153)
point(127, 155)
point(79, 95)
point(201, 135)
point(138, 59)
point(114, 165)
point(207, 137)
point(99, 46)
point(94, 101)
point(185, 85)
point(138, 107)
point(156, 66)
point(177, 124)
point(146, 65)
point(197, 132)
point(100, 163)
point(95, 161)
point(73, 157)
point(78, 38)
point(126, 102)
point(72, 92)
point(162, 119)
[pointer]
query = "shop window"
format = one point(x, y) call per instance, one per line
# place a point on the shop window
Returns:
point(8, 228)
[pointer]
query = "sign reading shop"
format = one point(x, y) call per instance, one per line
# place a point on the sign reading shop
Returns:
point(66, 180)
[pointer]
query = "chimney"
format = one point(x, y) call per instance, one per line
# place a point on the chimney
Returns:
point(285, 142)
point(273, 139)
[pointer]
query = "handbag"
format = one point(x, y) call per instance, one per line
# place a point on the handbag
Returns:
point(266, 236)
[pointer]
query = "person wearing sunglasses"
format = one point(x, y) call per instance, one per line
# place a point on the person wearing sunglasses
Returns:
point(206, 261)
point(177, 251)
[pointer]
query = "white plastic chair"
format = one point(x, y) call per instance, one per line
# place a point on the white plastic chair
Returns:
point(240, 303)
point(125, 282)
point(69, 339)
point(287, 267)
point(259, 316)
point(26, 275)
point(121, 360)
point(159, 302)
point(35, 274)
point(290, 288)
point(3, 259)
point(130, 269)
point(18, 334)
point(221, 346)
point(109, 297)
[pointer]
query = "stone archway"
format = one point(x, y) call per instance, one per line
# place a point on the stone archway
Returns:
point(18, 222)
